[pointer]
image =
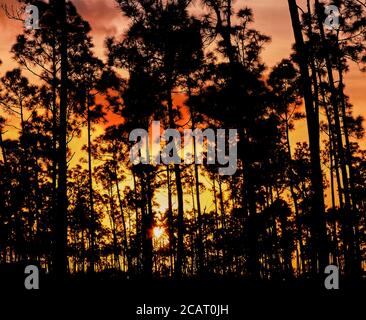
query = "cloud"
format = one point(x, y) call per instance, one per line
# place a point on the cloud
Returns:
point(271, 18)
point(103, 16)
point(105, 19)
point(9, 30)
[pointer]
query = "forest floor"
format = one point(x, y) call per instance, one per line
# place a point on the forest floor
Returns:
point(112, 294)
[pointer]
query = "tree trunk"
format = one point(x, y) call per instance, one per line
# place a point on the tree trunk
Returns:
point(201, 262)
point(352, 266)
point(294, 199)
point(125, 241)
point(91, 199)
point(178, 182)
point(170, 222)
point(147, 226)
point(319, 250)
point(60, 251)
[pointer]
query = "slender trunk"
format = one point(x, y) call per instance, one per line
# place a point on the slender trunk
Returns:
point(91, 198)
point(114, 227)
point(60, 253)
point(225, 32)
point(3, 192)
point(332, 141)
point(354, 220)
point(125, 241)
point(194, 232)
point(319, 249)
point(331, 169)
point(178, 182)
point(170, 222)
point(250, 209)
point(352, 267)
point(222, 206)
point(201, 262)
point(294, 199)
point(147, 228)
point(217, 238)
point(150, 217)
point(83, 250)
point(138, 222)
point(54, 165)
point(348, 154)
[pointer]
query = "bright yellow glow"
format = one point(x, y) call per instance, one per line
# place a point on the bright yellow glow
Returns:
point(158, 232)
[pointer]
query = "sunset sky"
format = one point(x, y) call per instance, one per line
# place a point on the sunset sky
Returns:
point(73, 198)
point(271, 18)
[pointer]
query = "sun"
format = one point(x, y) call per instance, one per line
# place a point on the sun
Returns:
point(158, 232)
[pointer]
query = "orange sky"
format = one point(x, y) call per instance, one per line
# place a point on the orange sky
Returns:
point(271, 18)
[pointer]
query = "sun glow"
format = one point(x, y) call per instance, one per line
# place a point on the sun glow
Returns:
point(158, 232)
